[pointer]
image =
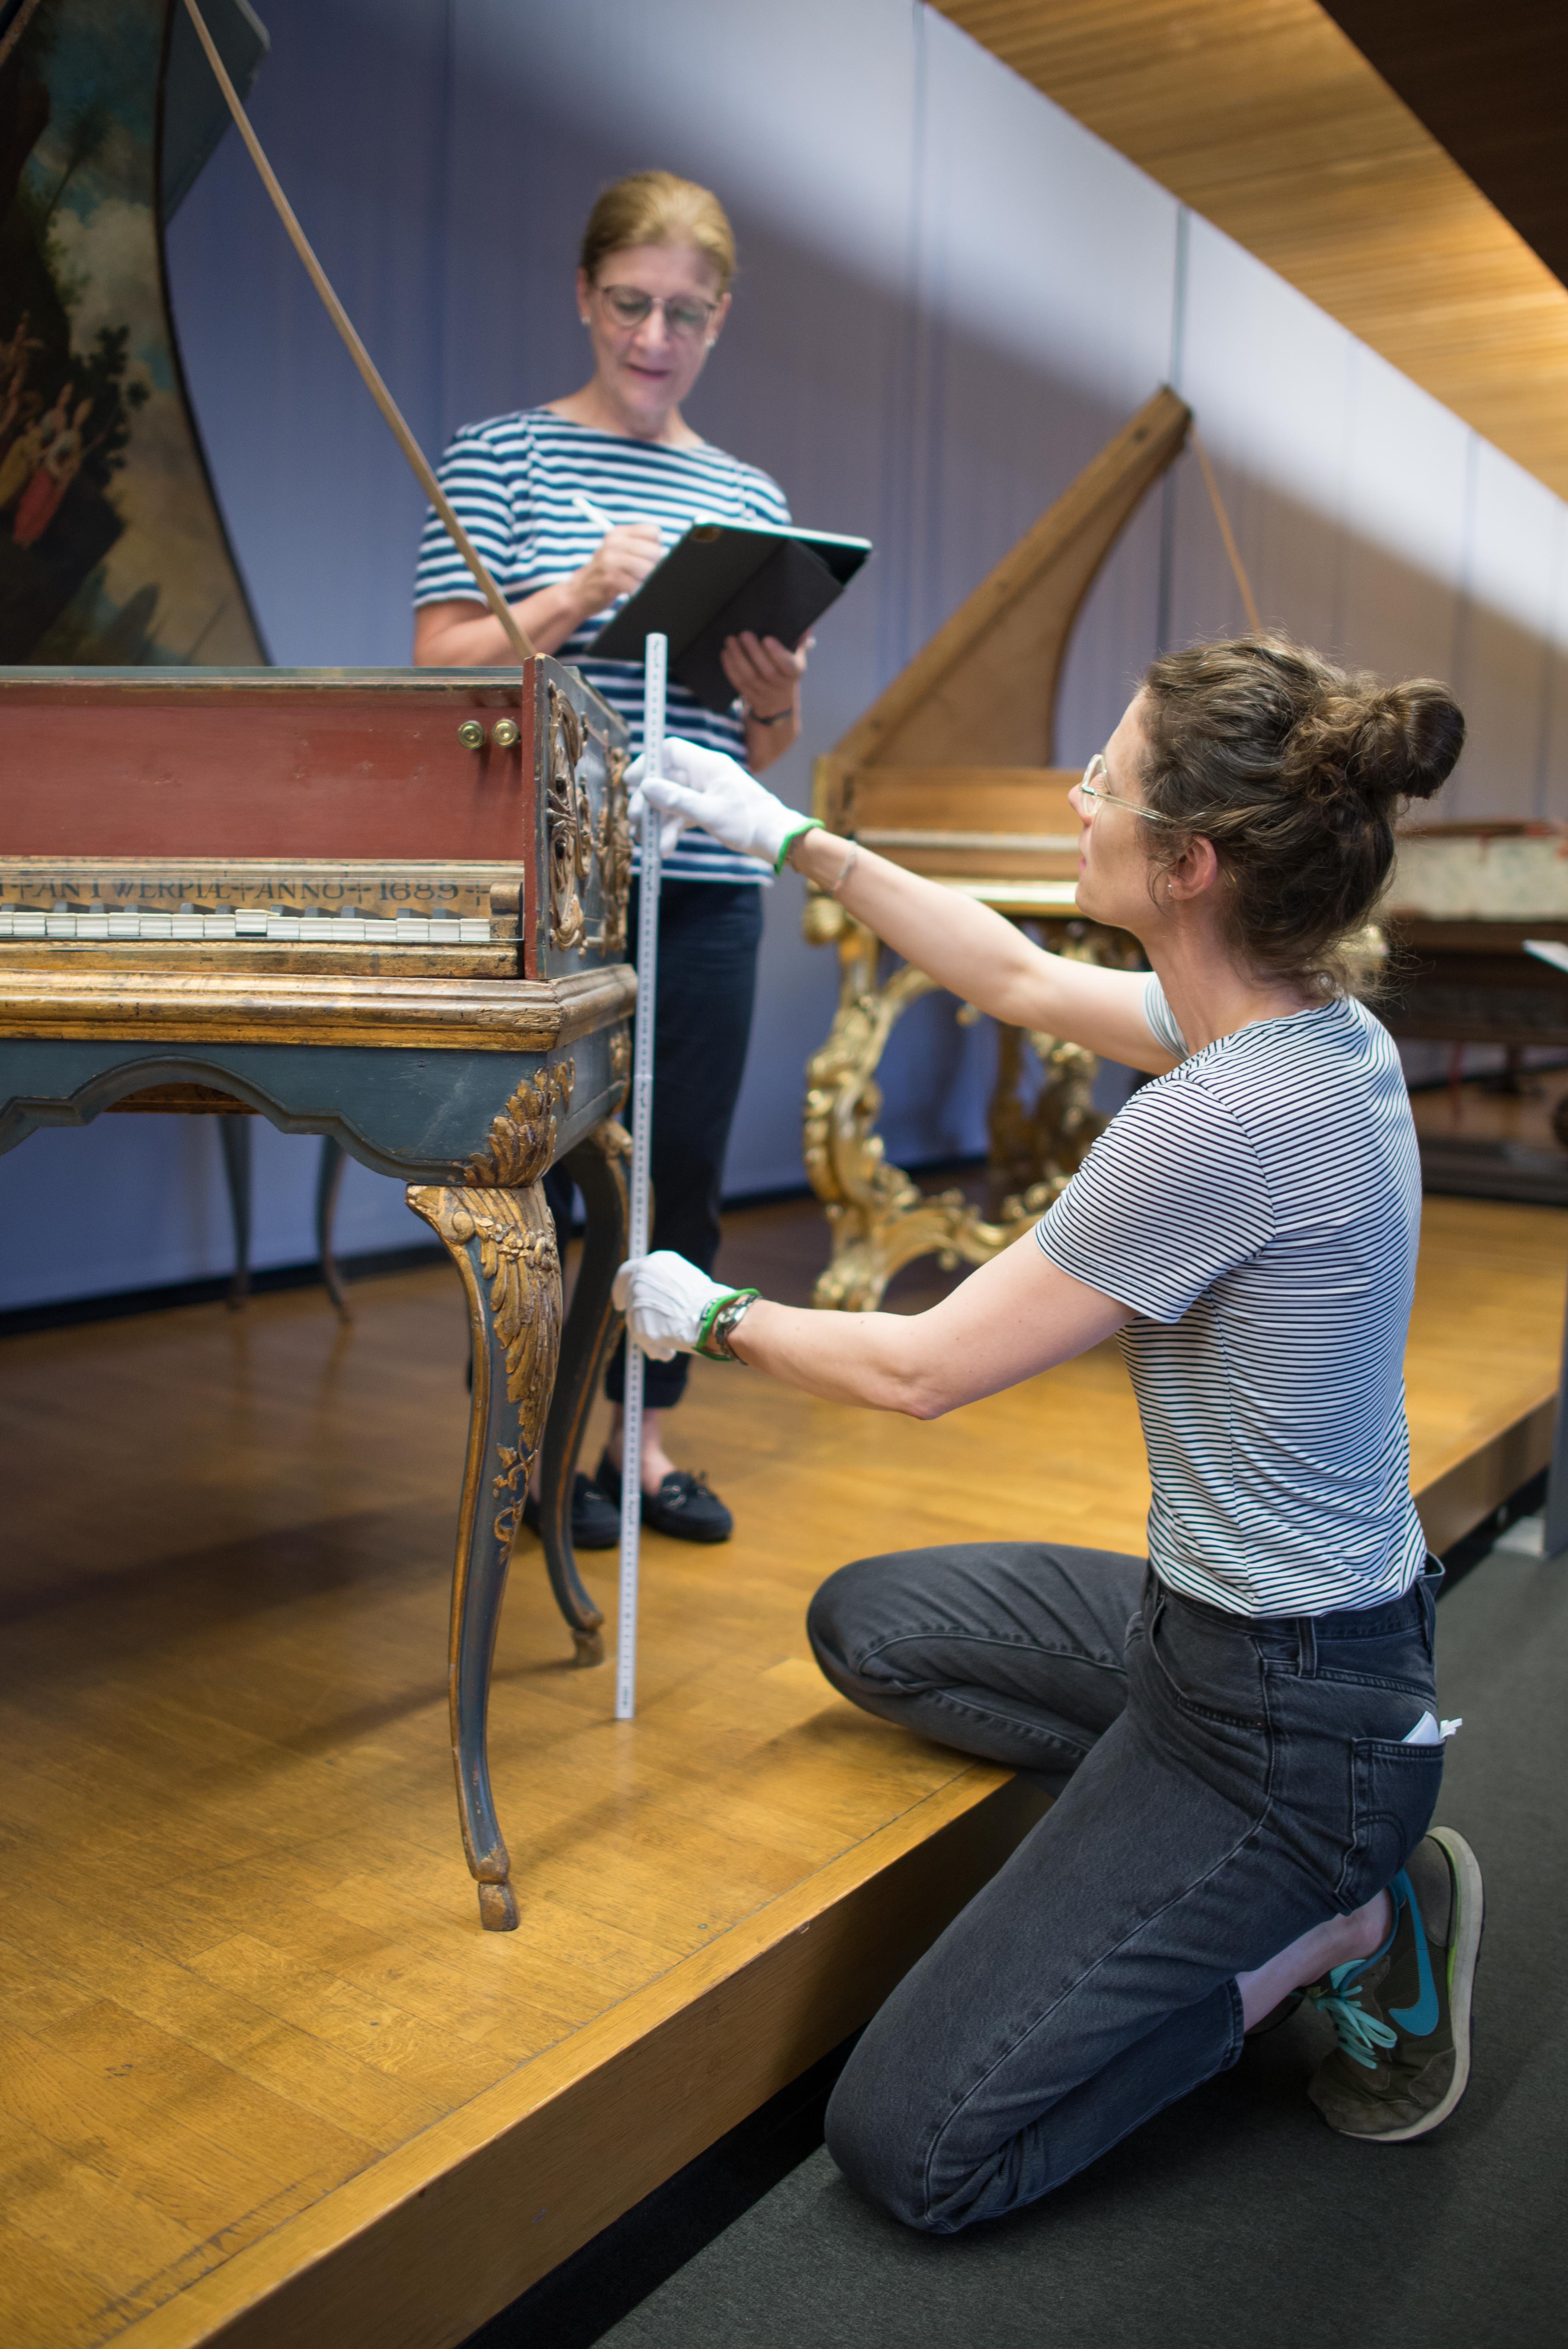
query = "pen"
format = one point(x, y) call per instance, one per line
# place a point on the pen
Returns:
point(595, 514)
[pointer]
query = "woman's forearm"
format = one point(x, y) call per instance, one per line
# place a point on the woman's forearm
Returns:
point(764, 744)
point(874, 1358)
point(463, 634)
point(967, 947)
point(1016, 1315)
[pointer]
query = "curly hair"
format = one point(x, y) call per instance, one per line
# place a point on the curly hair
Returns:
point(1295, 770)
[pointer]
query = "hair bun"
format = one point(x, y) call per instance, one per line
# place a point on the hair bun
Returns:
point(1407, 740)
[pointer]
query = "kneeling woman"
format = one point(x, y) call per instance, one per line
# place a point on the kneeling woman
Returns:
point(1242, 1726)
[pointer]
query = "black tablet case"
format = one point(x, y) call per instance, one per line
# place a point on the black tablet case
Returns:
point(720, 579)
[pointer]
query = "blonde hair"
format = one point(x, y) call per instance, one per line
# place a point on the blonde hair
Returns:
point(656, 208)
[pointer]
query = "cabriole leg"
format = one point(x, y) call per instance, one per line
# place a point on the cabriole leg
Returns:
point(234, 1135)
point(328, 1184)
point(597, 1166)
point(504, 1243)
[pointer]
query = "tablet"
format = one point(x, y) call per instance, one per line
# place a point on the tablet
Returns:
point(720, 579)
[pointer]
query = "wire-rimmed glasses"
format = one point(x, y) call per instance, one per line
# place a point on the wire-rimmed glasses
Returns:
point(1093, 793)
point(685, 315)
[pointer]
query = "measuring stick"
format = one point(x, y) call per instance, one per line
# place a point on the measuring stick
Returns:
point(656, 654)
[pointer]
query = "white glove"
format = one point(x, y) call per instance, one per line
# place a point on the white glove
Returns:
point(704, 787)
point(665, 1299)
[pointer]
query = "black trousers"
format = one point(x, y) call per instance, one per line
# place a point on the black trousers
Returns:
point(709, 931)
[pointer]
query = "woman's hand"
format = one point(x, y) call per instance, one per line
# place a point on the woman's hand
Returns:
point(665, 1301)
point(704, 787)
point(619, 564)
point(767, 676)
point(765, 673)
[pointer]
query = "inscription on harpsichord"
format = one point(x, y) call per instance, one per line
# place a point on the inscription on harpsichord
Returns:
point(209, 901)
point(299, 885)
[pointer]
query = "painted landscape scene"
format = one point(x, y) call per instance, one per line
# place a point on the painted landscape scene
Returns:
point(111, 548)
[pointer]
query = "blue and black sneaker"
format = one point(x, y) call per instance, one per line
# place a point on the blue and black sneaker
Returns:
point(1403, 2015)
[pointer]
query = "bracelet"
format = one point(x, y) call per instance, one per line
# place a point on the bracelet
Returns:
point(756, 717)
point(797, 832)
point(718, 1323)
point(846, 868)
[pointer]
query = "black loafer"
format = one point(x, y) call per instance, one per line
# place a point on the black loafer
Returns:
point(684, 1504)
point(595, 1524)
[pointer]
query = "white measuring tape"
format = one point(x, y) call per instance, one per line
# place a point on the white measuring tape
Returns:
point(655, 657)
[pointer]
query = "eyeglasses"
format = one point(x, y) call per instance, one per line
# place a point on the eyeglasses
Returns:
point(1093, 794)
point(684, 316)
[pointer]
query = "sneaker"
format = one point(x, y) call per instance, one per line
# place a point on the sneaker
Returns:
point(594, 1524)
point(683, 1506)
point(1403, 2014)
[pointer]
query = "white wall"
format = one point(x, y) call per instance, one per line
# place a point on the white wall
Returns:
point(951, 295)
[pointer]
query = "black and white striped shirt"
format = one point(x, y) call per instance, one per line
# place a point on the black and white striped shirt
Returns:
point(1258, 1207)
point(513, 482)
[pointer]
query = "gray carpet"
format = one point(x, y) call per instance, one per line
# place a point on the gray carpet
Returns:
point(1238, 2221)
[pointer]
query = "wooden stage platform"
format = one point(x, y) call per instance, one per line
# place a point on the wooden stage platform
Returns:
point(262, 2079)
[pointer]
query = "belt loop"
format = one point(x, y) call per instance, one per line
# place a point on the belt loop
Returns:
point(1306, 1646)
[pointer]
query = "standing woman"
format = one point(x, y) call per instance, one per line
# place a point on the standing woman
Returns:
point(1243, 1728)
point(572, 505)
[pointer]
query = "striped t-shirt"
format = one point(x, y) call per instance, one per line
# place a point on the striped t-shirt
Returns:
point(1258, 1207)
point(512, 482)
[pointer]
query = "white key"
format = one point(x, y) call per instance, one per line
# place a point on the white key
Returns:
point(61, 925)
point(474, 931)
point(29, 926)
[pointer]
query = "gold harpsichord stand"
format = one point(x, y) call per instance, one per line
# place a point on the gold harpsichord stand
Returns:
point(949, 774)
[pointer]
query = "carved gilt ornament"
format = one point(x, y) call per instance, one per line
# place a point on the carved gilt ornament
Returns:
point(521, 1140)
point(576, 845)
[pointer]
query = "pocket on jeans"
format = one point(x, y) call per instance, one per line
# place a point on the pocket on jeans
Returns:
point(1211, 1674)
point(1393, 1793)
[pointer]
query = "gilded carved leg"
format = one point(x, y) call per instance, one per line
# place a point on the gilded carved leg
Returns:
point(1009, 1127)
point(878, 1217)
point(504, 1243)
point(597, 1166)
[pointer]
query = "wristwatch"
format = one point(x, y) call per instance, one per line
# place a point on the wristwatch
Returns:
point(778, 718)
point(718, 1325)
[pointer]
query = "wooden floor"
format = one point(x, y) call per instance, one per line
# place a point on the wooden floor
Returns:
point(262, 2079)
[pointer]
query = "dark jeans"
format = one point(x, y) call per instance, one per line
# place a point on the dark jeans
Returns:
point(709, 931)
point(1227, 1783)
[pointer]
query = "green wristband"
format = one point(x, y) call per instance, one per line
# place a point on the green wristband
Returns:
point(704, 1328)
point(807, 823)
